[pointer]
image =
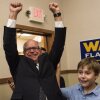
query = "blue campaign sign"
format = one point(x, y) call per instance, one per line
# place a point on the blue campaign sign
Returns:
point(90, 48)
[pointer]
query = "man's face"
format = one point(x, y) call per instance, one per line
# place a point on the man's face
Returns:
point(32, 50)
point(86, 77)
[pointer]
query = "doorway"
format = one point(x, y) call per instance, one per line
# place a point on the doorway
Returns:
point(43, 36)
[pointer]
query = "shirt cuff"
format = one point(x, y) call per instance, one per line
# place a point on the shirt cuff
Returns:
point(59, 24)
point(11, 23)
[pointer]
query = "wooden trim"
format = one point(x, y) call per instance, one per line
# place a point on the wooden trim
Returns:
point(30, 29)
point(68, 71)
point(49, 34)
point(5, 80)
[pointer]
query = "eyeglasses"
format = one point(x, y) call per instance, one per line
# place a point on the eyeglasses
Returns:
point(31, 48)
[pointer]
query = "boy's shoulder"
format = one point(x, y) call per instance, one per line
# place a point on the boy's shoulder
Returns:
point(97, 89)
point(74, 87)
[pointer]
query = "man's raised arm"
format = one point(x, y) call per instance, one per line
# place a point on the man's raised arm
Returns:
point(9, 38)
point(60, 34)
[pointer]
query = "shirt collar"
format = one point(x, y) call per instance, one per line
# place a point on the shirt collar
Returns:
point(94, 91)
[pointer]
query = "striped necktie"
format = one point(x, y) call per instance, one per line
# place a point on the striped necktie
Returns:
point(42, 95)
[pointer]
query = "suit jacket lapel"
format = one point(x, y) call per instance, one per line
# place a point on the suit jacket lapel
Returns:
point(32, 64)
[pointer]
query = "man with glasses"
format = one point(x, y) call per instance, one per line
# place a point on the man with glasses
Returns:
point(34, 74)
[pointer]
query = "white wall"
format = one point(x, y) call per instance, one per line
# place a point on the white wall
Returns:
point(82, 18)
point(5, 92)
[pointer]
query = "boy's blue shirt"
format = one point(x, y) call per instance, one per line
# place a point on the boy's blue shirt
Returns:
point(75, 92)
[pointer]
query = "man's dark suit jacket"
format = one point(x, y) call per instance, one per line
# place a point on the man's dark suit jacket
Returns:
point(27, 78)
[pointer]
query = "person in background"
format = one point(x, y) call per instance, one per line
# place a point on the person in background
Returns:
point(34, 74)
point(62, 82)
point(60, 79)
point(43, 50)
point(87, 89)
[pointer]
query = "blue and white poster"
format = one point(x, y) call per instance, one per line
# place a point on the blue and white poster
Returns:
point(90, 48)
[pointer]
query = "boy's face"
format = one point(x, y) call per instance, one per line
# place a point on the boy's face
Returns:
point(86, 77)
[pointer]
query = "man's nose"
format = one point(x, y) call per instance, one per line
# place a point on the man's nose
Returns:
point(31, 50)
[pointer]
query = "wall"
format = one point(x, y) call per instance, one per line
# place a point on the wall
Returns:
point(5, 92)
point(82, 18)
point(71, 79)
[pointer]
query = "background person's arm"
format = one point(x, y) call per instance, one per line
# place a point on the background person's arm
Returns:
point(58, 74)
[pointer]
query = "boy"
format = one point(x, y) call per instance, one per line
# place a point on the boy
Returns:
point(87, 89)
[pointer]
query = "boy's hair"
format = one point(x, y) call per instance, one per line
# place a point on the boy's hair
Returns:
point(91, 63)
